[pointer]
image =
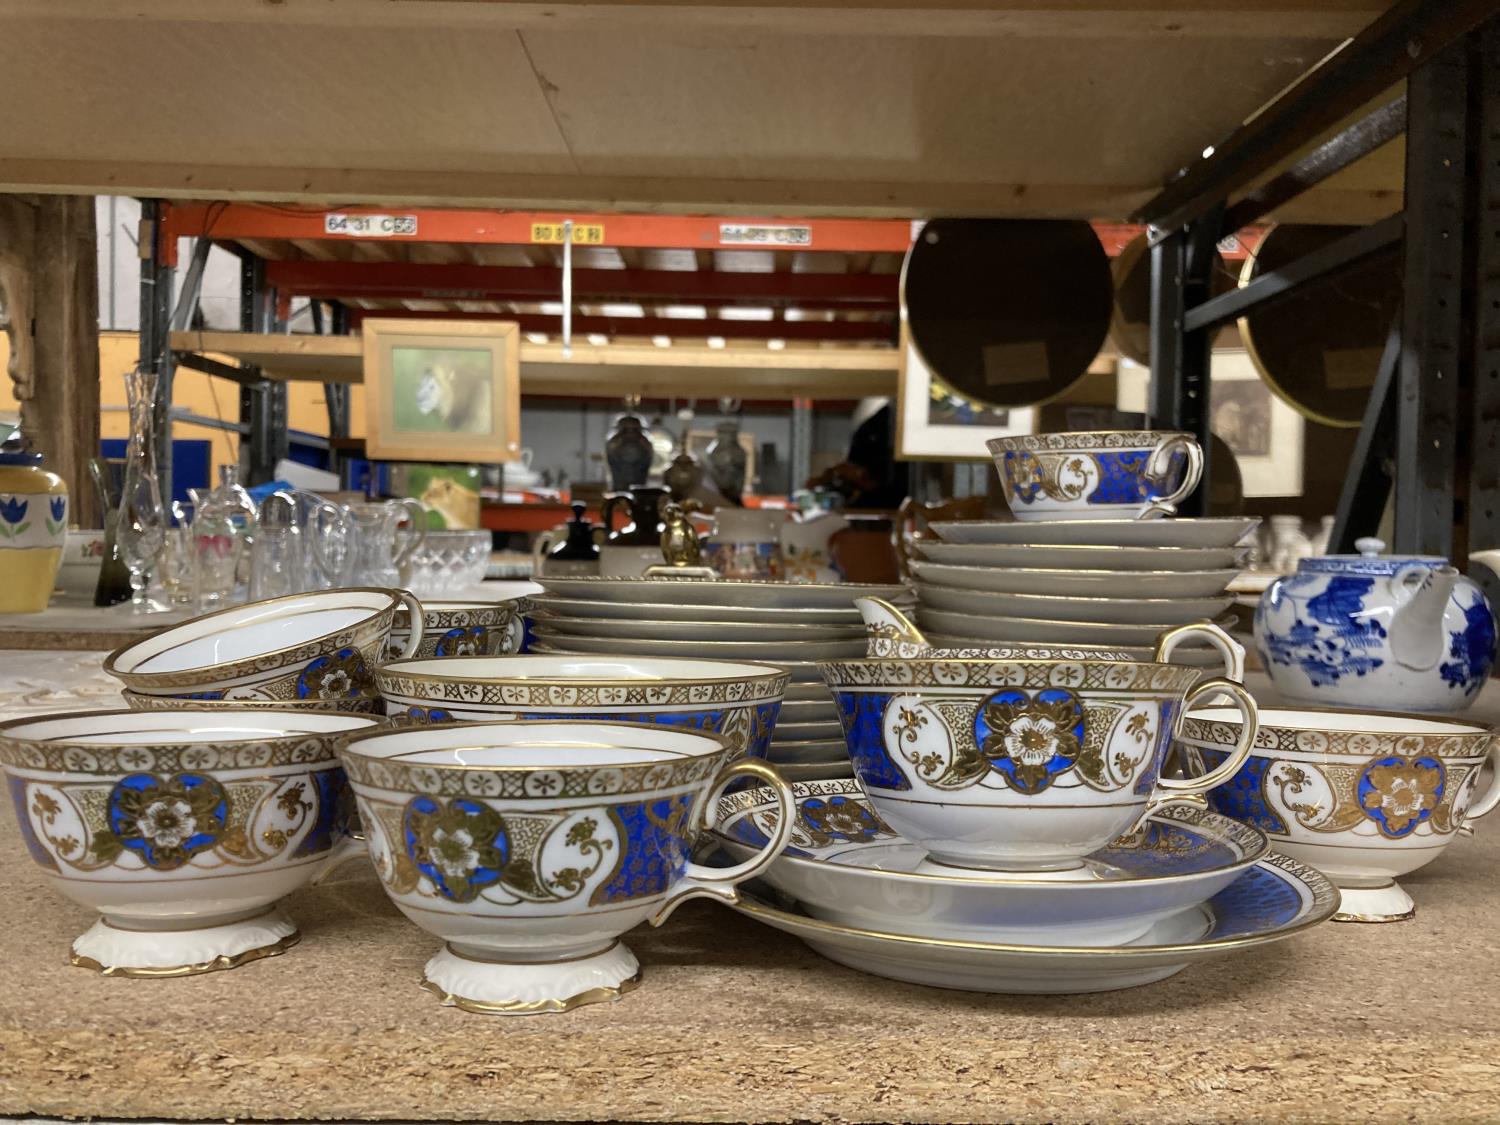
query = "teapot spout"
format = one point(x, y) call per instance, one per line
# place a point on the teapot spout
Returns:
point(1490, 558)
point(1420, 593)
point(889, 631)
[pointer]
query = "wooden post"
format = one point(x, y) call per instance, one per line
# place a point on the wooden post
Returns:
point(50, 282)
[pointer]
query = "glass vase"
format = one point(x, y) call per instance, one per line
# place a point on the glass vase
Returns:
point(141, 526)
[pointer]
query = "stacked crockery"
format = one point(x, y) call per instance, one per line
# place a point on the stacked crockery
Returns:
point(1010, 829)
point(1085, 563)
point(790, 625)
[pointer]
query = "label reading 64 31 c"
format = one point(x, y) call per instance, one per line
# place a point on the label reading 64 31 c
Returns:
point(370, 226)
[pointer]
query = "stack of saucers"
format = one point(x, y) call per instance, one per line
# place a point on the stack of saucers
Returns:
point(1117, 583)
point(791, 625)
point(1094, 557)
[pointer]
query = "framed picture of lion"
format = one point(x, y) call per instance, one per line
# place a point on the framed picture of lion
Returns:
point(442, 390)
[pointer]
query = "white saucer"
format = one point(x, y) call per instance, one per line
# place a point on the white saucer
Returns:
point(847, 867)
point(1122, 610)
point(1031, 555)
point(1214, 532)
point(1080, 583)
point(1274, 900)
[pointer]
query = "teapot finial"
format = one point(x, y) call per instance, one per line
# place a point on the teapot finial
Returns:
point(1369, 546)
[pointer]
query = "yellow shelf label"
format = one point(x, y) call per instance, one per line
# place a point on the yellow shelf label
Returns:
point(589, 234)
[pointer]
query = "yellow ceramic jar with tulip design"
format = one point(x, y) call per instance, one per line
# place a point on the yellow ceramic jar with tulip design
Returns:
point(33, 528)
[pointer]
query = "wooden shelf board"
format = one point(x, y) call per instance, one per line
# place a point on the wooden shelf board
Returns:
point(592, 370)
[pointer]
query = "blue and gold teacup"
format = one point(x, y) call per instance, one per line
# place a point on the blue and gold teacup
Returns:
point(184, 829)
point(1021, 764)
point(530, 847)
point(1108, 474)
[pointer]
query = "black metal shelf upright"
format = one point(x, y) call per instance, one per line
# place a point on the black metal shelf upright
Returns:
point(1432, 429)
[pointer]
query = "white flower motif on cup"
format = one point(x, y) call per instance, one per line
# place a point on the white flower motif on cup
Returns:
point(166, 823)
point(1312, 741)
point(1119, 677)
point(425, 780)
point(543, 783)
point(137, 758)
point(199, 758)
point(946, 672)
point(453, 853)
point(79, 760)
point(1066, 675)
point(606, 781)
point(257, 754)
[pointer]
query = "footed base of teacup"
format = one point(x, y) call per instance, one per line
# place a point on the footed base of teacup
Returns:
point(115, 951)
point(524, 988)
point(1375, 904)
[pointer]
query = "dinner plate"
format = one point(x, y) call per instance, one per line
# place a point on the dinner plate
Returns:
point(847, 866)
point(1273, 900)
point(821, 730)
point(816, 771)
point(696, 630)
point(1103, 611)
point(1027, 630)
point(807, 751)
point(811, 710)
point(667, 611)
point(1080, 583)
point(721, 592)
point(772, 651)
point(1030, 556)
point(1213, 532)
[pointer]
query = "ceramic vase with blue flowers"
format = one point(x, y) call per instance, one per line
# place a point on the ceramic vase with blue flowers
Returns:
point(33, 528)
point(1377, 632)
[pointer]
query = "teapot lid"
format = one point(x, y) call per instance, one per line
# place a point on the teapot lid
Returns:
point(1368, 561)
point(16, 450)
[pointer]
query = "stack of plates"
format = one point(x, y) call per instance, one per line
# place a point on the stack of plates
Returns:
point(1114, 583)
point(790, 625)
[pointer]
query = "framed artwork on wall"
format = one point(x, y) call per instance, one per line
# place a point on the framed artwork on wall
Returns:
point(934, 424)
point(1265, 433)
point(442, 390)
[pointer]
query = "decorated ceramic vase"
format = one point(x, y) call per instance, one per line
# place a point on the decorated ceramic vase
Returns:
point(33, 529)
point(1384, 632)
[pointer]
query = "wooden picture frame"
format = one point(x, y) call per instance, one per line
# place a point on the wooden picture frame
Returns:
point(927, 430)
point(442, 390)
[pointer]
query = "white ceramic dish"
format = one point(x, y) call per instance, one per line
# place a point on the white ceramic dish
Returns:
point(184, 829)
point(846, 866)
point(831, 770)
point(794, 711)
point(1165, 612)
point(667, 611)
point(1276, 899)
point(695, 630)
point(529, 848)
point(681, 591)
point(1026, 630)
point(820, 730)
point(707, 650)
point(1031, 556)
point(1079, 583)
point(320, 645)
point(1366, 798)
point(1179, 532)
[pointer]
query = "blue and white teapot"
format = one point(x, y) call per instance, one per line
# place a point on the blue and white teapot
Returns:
point(1382, 632)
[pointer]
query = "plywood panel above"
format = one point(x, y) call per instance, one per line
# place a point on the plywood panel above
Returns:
point(887, 108)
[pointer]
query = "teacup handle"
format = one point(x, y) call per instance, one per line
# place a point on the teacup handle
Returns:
point(1160, 461)
point(1249, 729)
point(701, 881)
point(1230, 649)
point(1491, 796)
point(414, 615)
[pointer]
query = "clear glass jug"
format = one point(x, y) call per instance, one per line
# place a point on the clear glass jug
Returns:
point(385, 535)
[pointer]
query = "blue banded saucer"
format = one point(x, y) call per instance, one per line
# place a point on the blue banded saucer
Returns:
point(846, 866)
point(1275, 898)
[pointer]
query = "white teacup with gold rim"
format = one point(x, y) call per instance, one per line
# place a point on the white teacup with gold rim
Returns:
point(530, 847)
point(320, 645)
point(1105, 474)
point(1365, 798)
point(183, 828)
point(1022, 764)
